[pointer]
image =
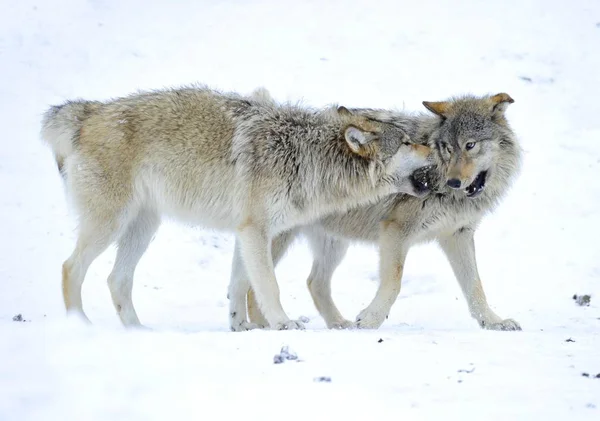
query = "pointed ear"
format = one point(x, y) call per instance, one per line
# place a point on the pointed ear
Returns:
point(500, 102)
point(263, 95)
point(357, 139)
point(344, 111)
point(439, 108)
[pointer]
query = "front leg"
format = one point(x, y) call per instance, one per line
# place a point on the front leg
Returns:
point(460, 251)
point(328, 252)
point(238, 288)
point(392, 255)
point(254, 314)
point(255, 247)
point(279, 247)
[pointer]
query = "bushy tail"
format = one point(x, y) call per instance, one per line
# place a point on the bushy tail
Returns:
point(61, 127)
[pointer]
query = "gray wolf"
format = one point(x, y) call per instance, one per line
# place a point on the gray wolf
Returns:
point(477, 160)
point(218, 160)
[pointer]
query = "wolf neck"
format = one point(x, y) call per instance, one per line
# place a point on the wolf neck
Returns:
point(338, 176)
point(505, 170)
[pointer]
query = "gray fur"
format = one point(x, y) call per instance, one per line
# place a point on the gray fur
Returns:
point(448, 216)
point(218, 160)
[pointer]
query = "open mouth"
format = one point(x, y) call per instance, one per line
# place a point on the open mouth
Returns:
point(476, 187)
point(421, 180)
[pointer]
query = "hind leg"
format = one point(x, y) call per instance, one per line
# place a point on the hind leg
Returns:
point(328, 252)
point(94, 237)
point(130, 247)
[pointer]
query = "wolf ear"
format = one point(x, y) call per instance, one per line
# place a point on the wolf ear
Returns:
point(344, 111)
point(357, 139)
point(438, 108)
point(500, 102)
point(261, 94)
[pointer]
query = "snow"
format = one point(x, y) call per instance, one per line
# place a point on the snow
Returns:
point(535, 252)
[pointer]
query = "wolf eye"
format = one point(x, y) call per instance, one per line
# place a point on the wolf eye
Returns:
point(470, 146)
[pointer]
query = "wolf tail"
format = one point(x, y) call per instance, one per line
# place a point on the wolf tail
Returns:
point(61, 127)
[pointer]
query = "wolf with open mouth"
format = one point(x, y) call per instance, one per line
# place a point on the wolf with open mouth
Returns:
point(477, 159)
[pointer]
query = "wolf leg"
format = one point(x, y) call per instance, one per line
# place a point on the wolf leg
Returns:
point(237, 291)
point(460, 251)
point(254, 314)
point(255, 248)
point(130, 248)
point(328, 252)
point(94, 237)
point(279, 247)
point(392, 255)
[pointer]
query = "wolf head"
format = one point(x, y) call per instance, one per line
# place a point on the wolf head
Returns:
point(474, 144)
point(388, 146)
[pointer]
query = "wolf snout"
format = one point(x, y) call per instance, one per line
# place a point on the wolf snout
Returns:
point(421, 180)
point(454, 183)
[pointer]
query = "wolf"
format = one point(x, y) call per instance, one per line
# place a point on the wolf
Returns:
point(217, 160)
point(477, 159)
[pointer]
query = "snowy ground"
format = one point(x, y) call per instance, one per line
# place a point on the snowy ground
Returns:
point(535, 252)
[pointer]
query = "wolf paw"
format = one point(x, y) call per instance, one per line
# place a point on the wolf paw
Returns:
point(341, 324)
point(244, 326)
point(290, 325)
point(507, 324)
point(368, 319)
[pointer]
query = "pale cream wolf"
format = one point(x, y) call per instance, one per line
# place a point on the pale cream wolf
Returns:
point(478, 158)
point(218, 160)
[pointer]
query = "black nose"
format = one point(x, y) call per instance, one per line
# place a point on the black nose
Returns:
point(454, 183)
